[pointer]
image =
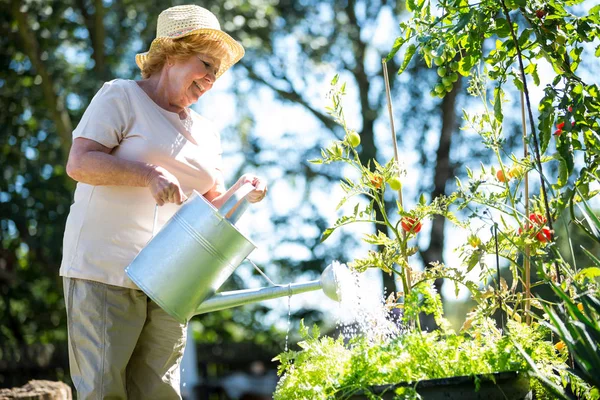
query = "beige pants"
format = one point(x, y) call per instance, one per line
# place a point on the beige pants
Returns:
point(121, 344)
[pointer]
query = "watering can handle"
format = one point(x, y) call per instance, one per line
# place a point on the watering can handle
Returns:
point(228, 209)
point(238, 198)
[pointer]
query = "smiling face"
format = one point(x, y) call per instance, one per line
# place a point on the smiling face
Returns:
point(187, 80)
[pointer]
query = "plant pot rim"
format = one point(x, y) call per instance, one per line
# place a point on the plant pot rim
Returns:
point(452, 380)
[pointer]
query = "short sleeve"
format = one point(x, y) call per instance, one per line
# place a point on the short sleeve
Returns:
point(106, 119)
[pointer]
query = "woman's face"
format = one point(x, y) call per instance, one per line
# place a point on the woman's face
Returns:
point(190, 79)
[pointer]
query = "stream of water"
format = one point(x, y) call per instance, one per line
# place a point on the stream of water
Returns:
point(356, 316)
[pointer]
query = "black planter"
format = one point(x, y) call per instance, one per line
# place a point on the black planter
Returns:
point(499, 386)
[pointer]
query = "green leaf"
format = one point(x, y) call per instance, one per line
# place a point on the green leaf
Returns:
point(465, 64)
point(463, 21)
point(563, 171)
point(326, 234)
point(502, 28)
point(565, 149)
point(591, 218)
point(397, 45)
point(590, 273)
point(531, 69)
point(546, 120)
point(498, 95)
point(518, 81)
point(410, 52)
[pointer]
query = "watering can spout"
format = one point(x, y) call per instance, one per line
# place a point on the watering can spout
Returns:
point(329, 282)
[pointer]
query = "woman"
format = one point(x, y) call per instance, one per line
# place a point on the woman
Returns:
point(137, 145)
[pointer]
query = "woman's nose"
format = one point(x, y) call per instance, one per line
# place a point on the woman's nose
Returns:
point(210, 77)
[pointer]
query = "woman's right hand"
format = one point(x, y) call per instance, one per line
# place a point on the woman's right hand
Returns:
point(165, 187)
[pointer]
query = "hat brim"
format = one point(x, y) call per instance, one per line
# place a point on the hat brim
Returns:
point(234, 49)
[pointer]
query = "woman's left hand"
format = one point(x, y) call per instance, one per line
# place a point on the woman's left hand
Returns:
point(260, 187)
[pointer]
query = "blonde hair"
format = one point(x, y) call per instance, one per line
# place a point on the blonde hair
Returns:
point(182, 49)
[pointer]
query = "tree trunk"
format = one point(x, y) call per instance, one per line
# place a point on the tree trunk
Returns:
point(442, 174)
point(95, 27)
point(56, 105)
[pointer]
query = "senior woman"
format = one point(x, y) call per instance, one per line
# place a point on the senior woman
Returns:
point(139, 144)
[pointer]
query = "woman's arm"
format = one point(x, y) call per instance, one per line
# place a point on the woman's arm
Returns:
point(91, 162)
point(218, 195)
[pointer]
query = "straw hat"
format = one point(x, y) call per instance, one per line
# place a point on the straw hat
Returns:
point(180, 21)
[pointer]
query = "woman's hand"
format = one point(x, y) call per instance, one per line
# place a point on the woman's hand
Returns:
point(260, 187)
point(165, 187)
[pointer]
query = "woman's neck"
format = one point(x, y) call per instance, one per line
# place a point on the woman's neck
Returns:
point(156, 88)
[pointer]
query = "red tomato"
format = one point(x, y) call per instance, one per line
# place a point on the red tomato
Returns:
point(411, 225)
point(545, 235)
point(537, 218)
point(560, 125)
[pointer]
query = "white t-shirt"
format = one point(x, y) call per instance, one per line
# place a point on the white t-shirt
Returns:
point(107, 226)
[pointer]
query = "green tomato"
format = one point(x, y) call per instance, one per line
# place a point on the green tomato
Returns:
point(441, 71)
point(447, 81)
point(439, 88)
point(454, 76)
point(438, 61)
point(395, 183)
point(454, 65)
point(353, 139)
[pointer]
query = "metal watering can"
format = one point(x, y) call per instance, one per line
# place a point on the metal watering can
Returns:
point(184, 264)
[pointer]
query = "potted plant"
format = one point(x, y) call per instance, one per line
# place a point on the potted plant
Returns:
point(496, 359)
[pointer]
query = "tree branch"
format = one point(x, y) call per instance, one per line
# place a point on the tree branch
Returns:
point(291, 95)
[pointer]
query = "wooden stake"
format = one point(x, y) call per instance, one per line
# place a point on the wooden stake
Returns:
point(526, 264)
point(397, 158)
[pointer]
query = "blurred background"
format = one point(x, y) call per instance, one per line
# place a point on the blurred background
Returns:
point(270, 108)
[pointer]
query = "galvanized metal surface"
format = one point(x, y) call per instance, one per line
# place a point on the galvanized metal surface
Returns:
point(192, 255)
point(223, 300)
